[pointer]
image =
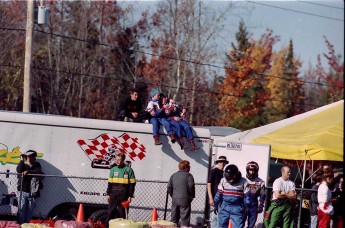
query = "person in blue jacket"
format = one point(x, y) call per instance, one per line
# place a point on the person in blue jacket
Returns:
point(158, 117)
point(231, 200)
point(256, 194)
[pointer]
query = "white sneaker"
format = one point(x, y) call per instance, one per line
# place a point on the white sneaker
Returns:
point(126, 119)
point(146, 121)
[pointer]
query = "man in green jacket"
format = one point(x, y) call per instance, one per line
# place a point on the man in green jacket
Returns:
point(121, 186)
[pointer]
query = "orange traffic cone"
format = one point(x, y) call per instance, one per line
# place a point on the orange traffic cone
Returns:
point(154, 215)
point(230, 224)
point(80, 215)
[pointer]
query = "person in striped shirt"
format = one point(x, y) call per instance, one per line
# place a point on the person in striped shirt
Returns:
point(232, 197)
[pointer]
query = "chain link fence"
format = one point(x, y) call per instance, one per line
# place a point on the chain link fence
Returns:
point(61, 196)
point(300, 207)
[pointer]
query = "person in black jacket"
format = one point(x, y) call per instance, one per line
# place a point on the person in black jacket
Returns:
point(181, 188)
point(27, 168)
point(131, 109)
point(313, 201)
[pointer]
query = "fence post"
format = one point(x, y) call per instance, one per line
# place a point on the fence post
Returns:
point(20, 197)
point(166, 205)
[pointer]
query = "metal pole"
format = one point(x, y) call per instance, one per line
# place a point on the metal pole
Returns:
point(300, 204)
point(28, 55)
point(19, 212)
point(166, 206)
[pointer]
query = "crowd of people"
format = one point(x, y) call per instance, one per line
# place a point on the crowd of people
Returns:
point(235, 198)
point(239, 200)
point(160, 110)
point(232, 198)
point(327, 199)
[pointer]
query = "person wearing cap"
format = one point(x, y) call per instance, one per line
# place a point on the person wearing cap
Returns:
point(214, 177)
point(158, 118)
point(27, 168)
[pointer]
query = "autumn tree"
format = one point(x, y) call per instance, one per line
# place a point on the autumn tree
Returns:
point(286, 88)
point(325, 86)
point(334, 78)
point(182, 32)
point(12, 43)
point(74, 71)
point(243, 92)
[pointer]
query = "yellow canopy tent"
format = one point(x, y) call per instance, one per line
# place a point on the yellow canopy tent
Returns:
point(314, 135)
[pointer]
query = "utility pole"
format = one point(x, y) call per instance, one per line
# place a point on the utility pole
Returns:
point(28, 56)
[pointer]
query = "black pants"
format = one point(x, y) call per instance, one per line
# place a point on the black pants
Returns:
point(115, 208)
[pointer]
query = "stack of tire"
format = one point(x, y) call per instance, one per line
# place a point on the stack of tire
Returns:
point(9, 224)
point(126, 223)
point(162, 224)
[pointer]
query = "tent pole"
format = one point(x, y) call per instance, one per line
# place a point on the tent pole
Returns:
point(312, 171)
point(301, 198)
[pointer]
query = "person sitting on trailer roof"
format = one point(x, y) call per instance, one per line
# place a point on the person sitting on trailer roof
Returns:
point(158, 117)
point(173, 113)
point(131, 108)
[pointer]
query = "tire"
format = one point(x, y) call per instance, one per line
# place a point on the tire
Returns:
point(68, 214)
point(99, 216)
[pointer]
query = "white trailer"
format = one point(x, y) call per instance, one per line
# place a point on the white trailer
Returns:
point(78, 148)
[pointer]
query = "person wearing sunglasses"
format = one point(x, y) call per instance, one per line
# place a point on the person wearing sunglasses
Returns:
point(214, 177)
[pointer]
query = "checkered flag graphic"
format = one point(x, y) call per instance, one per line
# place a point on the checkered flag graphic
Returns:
point(97, 148)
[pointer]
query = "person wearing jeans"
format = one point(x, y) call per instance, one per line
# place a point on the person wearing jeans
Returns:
point(26, 207)
point(28, 165)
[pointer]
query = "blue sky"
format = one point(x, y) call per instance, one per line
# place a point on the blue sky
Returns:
point(305, 22)
point(305, 29)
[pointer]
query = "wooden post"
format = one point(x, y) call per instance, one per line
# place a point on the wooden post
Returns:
point(28, 55)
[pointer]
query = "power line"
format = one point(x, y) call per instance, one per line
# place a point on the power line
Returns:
point(296, 11)
point(162, 85)
point(172, 58)
point(318, 4)
point(205, 64)
point(142, 52)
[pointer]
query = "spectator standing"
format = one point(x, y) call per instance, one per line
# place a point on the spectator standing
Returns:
point(284, 192)
point(339, 204)
point(324, 198)
point(181, 188)
point(121, 186)
point(158, 117)
point(256, 194)
point(232, 197)
point(27, 165)
point(313, 201)
point(214, 178)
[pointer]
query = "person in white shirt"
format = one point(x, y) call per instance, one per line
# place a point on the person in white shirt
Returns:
point(284, 192)
point(324, 197)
